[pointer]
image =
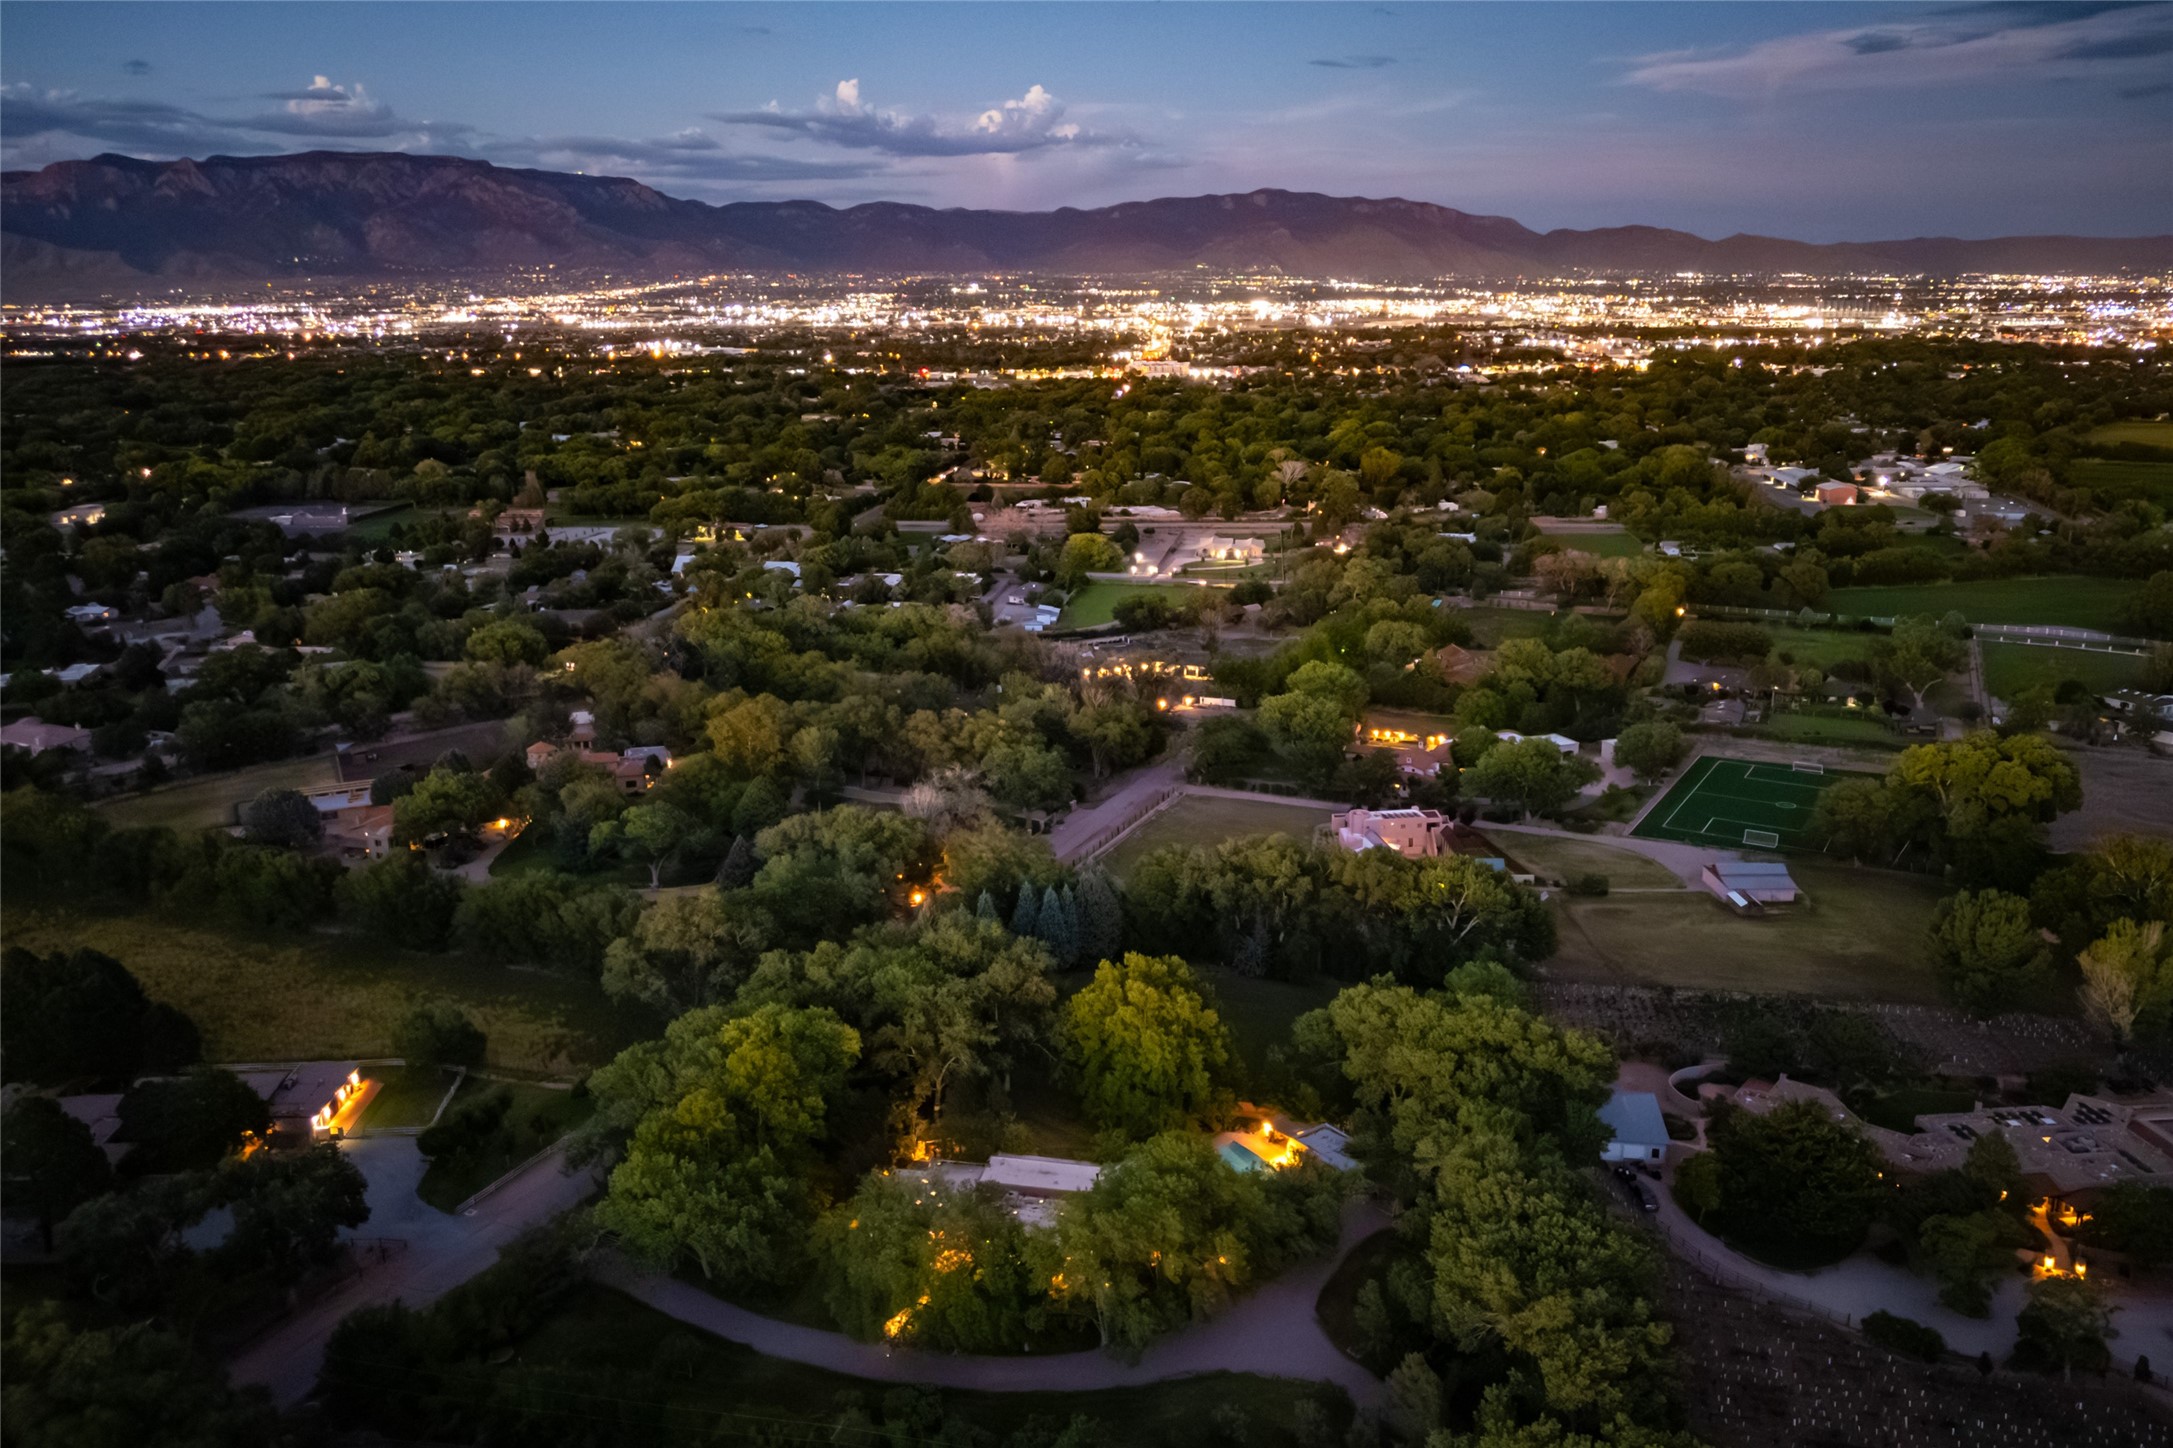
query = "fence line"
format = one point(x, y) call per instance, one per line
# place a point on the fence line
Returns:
point(1110, 834)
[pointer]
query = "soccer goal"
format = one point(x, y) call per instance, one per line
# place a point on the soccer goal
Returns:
point(1763, 839)
point(1802, 766)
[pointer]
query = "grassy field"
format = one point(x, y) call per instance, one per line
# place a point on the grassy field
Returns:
point(715, 1391)
point(1493, 627)
point(2149, 434)
point(1096, 602)
point(1259, 1012)
point(1856, 934)
point(209, 803)
point(406, 1095)
point(1725, 802)
point(1208, 820)
point(1619, 543)
point(1856, 729)
point(2011, 668)
point(1560, 859)
point(269, 997)
point(1821, 648)
point(2075, 602)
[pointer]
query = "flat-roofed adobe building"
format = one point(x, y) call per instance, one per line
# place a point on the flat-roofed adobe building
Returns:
point(1416, 834)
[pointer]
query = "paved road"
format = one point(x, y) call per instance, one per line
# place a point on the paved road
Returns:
point(1270, 1331)
point(442, 1253)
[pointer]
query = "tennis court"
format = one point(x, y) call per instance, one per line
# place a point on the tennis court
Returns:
point(1739, 803)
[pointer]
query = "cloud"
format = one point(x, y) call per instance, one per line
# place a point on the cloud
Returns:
point(1355, 62)
point(136, 67)
point(1031, 122)
point(321, 110)
point(1970, 44)
point(2144, 92)
point(690, 155)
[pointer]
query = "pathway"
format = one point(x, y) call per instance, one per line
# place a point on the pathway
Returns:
point(441, 1253)
point(1084, 826)
point(1862, 1284)
point(1271, 1330)
point(1684, 861)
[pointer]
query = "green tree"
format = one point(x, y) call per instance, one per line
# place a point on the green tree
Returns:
point(2127, 979)
point(80, 1014)
point(1101, 918)
point(1310, 731)
point(50, 1163)
point(1793, 1182)
point(1965, 1252)
point(134, 1386)
point(653, 833)
point(445, 802)
point(687, 951)
point(2065, 1325)
point(439, 1033)
point(1988, 954)
point(1650, 749)
point(1145, 1047)
point(192, 1122)
point(288, 1210)
point(719, 1118)
point(1086, 553)
point(945, 1270)
point(282, 817)
point(402, 900)
point(508, 641)
point(1531, 774)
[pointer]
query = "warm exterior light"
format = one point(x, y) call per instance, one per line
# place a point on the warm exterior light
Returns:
point(918, 897)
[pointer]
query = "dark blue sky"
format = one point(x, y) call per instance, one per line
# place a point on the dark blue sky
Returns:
point(1817, 121)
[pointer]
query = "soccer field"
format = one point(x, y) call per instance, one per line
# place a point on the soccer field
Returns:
point(1738, 803)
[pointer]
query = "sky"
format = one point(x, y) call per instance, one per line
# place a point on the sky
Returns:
point(1823, 122)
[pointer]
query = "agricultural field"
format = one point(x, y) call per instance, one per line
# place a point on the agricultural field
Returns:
point(1857, 934)
point(1731, 803)
point(1199, 819)
point(260, 996)
point(2074, 602)
point(209, 803)
point(2009, 669)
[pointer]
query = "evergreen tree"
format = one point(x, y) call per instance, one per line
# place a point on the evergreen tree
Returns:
point(738, 868)
point(1026, 919)
point(1055, 930)
point(1100, 918)
point(986, 909)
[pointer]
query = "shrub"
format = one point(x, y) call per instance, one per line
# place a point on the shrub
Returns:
point(1905, 1336)
point(1588, 885)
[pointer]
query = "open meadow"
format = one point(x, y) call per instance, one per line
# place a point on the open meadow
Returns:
point(1199, 819)
point(261, 996)
point(1857, 935)
point(2011, 668)
point(210, 801)
point(2073, 602)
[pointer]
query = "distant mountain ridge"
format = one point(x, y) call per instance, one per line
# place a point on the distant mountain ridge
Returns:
point(117, 224)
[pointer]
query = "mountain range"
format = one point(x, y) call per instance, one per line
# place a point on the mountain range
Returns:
point(118, 225)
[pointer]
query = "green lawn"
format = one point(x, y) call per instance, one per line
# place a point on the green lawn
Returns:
point(539, 1116)
point(406, 1095)
point(2149, 434)
point(1857, 934)
point(1209, 820)
point(1821, 648)
point(1096, 602)
point(530, 855)
point(210, 802)
point(1559, 859)
point(1259, 1012)
point(2075, 602)
point(1865, 729)
point(1493, 627)
point(274, 997)
point(697, 1389)
point(1613, 543)
point(2011, 668)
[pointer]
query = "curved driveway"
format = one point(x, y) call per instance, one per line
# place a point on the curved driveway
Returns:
point(1271, 1331)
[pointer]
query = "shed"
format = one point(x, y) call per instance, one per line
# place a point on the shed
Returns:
point(1639, 1131)
point(1760, 882)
